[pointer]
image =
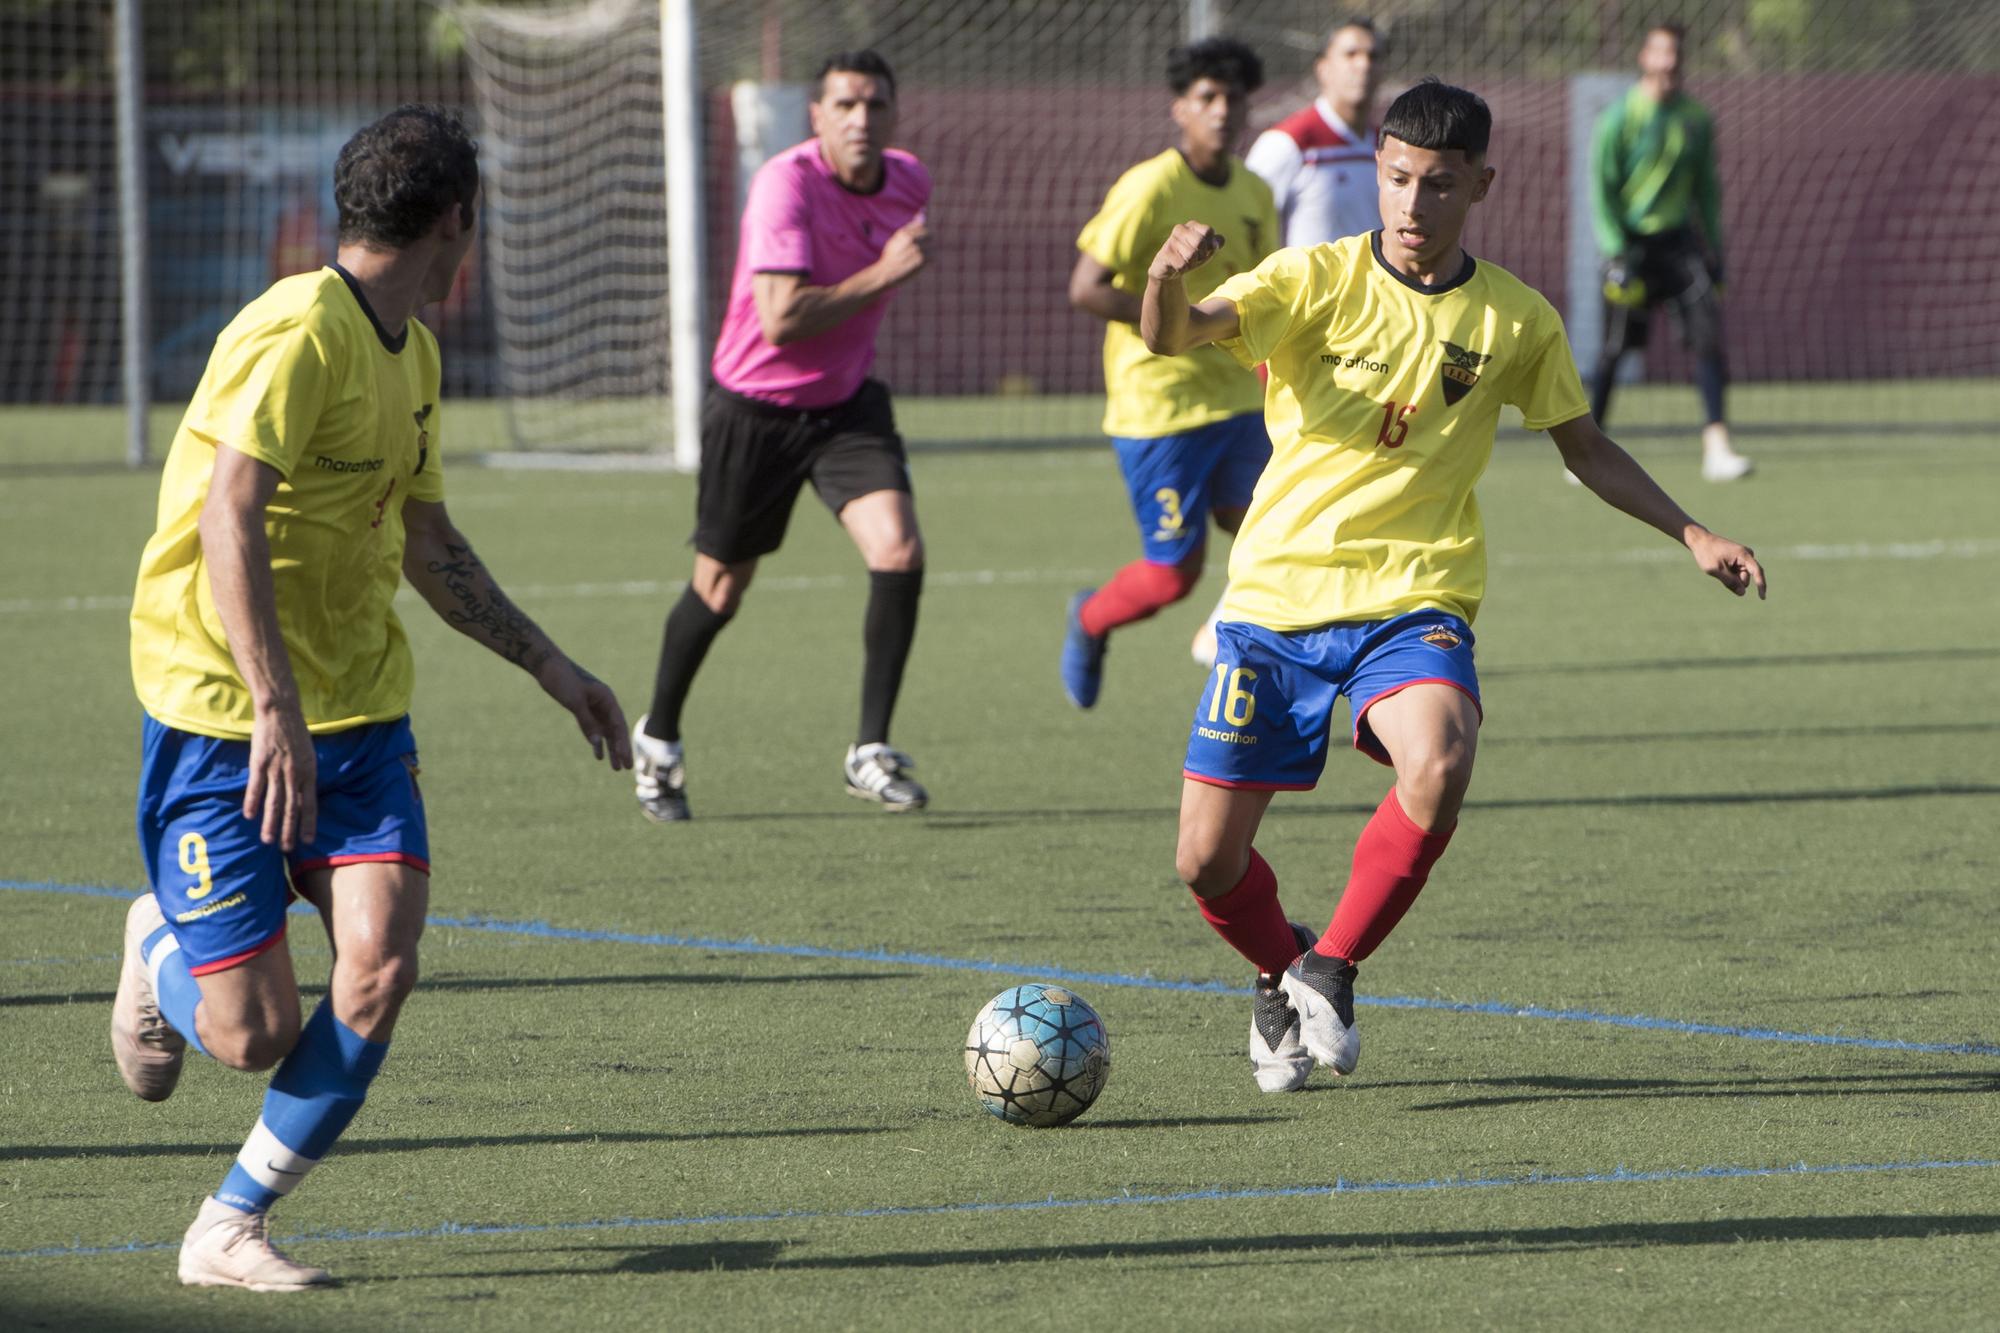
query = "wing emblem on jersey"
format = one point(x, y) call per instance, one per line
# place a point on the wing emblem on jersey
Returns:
point(1461, 370)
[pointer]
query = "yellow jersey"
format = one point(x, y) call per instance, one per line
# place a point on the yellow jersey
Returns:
point(1147, 396)
point(306, 380)
point(1384, 397)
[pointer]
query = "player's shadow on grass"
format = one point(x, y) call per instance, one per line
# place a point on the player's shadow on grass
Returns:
point(1238, 1248)
point(527, 983)
point(1524, 1090)
point(363, 1147)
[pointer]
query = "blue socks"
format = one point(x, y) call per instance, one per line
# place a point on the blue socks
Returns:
point(313, 1096)
point(174, 987)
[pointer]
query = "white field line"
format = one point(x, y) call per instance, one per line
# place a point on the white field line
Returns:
point(1958, 548)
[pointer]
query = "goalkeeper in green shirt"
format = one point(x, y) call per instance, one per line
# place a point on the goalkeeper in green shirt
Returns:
point(1658, 212)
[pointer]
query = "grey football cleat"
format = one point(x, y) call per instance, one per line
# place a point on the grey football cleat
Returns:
point(1321, 990)
point(227, 1248)
point(659, 776)
point(148, 1050)
point(1278, 1059)
point(877, 773)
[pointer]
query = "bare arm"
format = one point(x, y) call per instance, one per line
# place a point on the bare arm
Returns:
point(789, 310)
point(283, 769)
point(1620, 482)
point(444, 569)
point(1167, 323)
point(1090, 290)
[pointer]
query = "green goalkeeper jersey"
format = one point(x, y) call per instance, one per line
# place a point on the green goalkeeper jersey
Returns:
point(1653, 170)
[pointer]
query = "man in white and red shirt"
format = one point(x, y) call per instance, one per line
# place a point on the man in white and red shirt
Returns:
point(832, 228)
point(1320, 160)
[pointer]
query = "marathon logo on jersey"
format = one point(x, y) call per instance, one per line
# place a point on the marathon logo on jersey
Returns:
point(423, 436)
point(325, 464)
point(1361, 360)
point(1442, 636)
point(1461, 370)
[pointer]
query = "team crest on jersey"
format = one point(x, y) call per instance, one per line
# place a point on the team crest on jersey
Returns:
point(1442, 636)
point(1461, 370)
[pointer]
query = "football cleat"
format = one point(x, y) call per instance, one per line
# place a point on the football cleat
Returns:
point(1725, 465)
point(229, 1248)
point(1278, 1059)
point(1321, 990)
point(1082, 656)
point(148, 1050)
point(659, 776)
point(877, 773)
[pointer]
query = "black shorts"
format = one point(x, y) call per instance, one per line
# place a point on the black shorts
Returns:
point(1674, 269)
point(756, 455)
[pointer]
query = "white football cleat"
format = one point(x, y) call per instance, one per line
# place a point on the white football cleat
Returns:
point(1203, 647)
point(1321, 990)
point(227, 1247)
point(1725, 465)
point(659, 776)
point(877, 773)
point(148, 1050)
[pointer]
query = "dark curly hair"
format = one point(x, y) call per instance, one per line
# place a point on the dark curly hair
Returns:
point(396, 177)
point(1223, 59)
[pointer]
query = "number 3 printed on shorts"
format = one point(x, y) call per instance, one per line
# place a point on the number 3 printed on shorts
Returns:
point(194, 860)
point(1240, 705)
point(1170, 509)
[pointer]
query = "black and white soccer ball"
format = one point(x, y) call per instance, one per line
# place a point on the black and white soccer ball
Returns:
point(1037, 1055)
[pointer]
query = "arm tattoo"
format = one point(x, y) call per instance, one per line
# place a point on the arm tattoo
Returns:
point(483, 611)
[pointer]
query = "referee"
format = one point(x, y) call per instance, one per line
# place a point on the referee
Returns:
point(1658, 212)
point(831, 228)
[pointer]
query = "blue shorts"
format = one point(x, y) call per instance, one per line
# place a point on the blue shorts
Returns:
point(223, 891)
point(1175, 480)
point(1265, 715)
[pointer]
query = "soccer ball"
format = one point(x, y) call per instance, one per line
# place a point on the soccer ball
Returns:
point(1037, 1055)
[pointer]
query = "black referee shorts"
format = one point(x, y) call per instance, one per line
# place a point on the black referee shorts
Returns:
point(1674, 270)
point(756, 455)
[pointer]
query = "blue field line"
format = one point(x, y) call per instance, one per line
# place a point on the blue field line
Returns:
point(1616, 1176)
point(1639, 1022)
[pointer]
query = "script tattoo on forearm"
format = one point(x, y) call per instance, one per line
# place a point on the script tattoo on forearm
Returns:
point(485, 611)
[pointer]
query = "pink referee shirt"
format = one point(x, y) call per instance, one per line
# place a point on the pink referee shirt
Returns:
point(801, 219)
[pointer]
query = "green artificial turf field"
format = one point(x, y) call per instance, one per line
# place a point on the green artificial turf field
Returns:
point(709, 1075)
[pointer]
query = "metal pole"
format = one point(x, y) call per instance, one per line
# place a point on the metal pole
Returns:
point(1202, 18)
point(680, 87)
point(131, 61)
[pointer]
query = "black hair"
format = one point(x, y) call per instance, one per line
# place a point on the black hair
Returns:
point(396, 177)
point(1223, 59)
point(1432, 114)
point(1365, 24)
point(867, 61)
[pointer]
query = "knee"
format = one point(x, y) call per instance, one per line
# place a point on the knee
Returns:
point(255, 1046)
point(1207, 868)
point(903, 554)
point(1438, 777)
point(381, 985)
point(723, 595)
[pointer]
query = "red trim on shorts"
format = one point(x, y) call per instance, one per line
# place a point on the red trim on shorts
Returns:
point(237, 959)
point(1361, 713)
point(1193, 776)
point(358, 858)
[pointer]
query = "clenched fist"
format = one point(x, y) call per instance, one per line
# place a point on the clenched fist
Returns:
point(906, 252)
point(1191, 246)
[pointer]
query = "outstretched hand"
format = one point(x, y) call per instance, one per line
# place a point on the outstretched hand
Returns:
point(593, 705)
point(1729, 563)
point(1192, 245)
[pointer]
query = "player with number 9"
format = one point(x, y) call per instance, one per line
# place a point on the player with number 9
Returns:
point(1361, 562)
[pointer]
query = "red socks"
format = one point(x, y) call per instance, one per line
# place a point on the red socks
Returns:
point(1248, 916)
point(1134, 593)
point(1392, 859)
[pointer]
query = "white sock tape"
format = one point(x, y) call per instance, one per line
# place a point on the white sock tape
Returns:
point(270, 1163)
